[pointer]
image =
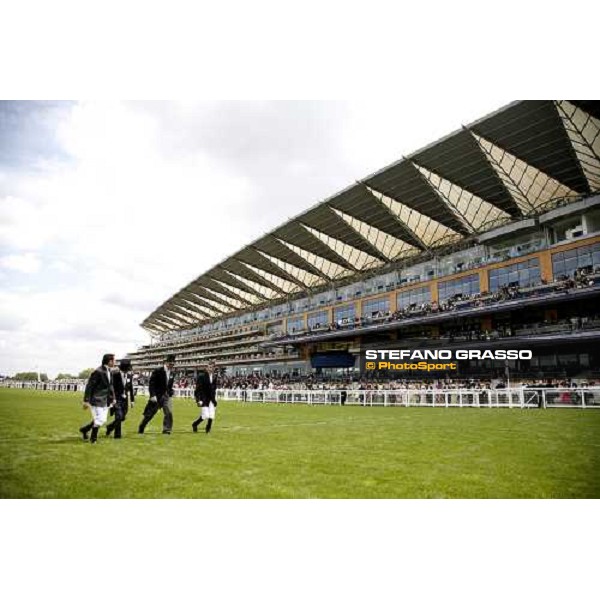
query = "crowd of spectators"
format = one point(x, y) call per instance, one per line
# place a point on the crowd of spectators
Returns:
point(320, 382)
point(313, 382)
point(581, 279)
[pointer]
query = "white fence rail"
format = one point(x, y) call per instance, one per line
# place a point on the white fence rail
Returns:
point(49, 386)
point(465, 398)
point(516, 397)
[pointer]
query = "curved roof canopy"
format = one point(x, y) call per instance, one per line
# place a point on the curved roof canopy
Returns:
point(521, 160)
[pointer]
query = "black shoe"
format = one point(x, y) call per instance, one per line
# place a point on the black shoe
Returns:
point(140, 430)
point(117, 437)
point(195, 427)
point(166, 433)
point(207, 430)
point(93, 441)
point(84, 432)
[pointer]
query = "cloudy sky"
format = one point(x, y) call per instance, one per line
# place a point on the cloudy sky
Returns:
point(108, 208)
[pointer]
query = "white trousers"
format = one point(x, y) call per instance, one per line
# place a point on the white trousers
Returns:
point(99, 415)
point(208, 412)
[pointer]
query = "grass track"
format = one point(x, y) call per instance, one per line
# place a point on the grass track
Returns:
point(285, 451)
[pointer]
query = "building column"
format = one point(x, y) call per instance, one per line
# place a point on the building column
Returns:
point(433, 290)
point(484, 281)
point(546, 266)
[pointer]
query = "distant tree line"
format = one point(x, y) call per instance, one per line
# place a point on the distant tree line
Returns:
point(33, 376)
point(30, 376)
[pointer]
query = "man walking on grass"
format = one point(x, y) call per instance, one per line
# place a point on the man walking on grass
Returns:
point(161, 396)
point(123, 386)
point(206, 396)
point(98, 396)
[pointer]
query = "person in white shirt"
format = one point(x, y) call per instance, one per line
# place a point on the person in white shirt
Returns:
point(99, 395)
point(206, 396)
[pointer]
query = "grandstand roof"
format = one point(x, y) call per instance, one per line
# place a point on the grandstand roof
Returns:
point(519, 161)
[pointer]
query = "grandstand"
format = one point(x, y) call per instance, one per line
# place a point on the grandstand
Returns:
point(491, 234)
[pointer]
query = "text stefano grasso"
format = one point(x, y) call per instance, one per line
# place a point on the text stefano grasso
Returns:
point(448, 354)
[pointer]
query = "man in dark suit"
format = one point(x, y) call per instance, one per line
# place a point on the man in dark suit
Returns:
point(205, 393)
point(98, 396)
point(123, 386)
point(161, 396)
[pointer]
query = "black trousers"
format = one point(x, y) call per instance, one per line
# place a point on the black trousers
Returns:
point(120, 412)
point(152, 408)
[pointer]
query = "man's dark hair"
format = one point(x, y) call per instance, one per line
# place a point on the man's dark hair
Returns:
point(107, 358)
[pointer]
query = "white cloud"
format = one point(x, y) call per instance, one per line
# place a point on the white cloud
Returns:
point(21, 225)
point(24, 263)
point(61, 266)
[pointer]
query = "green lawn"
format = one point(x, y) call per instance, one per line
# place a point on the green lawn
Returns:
point(285, 451)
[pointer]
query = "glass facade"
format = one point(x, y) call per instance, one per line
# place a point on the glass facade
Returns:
point(273, 328)
point(464, 286)
point(512, 248)
point(419, 272)
point(299, 305)
point(416, 296)
point(464, 260)
point(294, 325)
point(345, 312)
point(523, 274)
point(381, 283)
point(370, 307)
point(279, 310)
point(321, 299)
point(320, 318)
point(567, 262)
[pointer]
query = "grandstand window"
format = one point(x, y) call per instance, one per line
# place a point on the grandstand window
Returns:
point(516, 247)
point(371, 307)
point(459, 261)
point(567, 262)
point(299, 305)
point(273, 328)
point(463, 286)
point(295, 325)
point(318, 319)
point(277, 311)
point(345, 312)
point(357, 289)
point(525, 274)
point(347, 292)
point(415, 273)
point(263, 314)
point(383, 281)
point(321, 299)
point(417, 296)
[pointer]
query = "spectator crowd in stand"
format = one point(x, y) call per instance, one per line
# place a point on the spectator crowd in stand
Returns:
point(581, 279)
point(313, 382)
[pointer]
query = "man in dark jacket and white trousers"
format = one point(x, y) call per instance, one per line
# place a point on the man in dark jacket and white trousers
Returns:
point(205, 393)
point(161, 395)
point(123, 386)
point(98, 396)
